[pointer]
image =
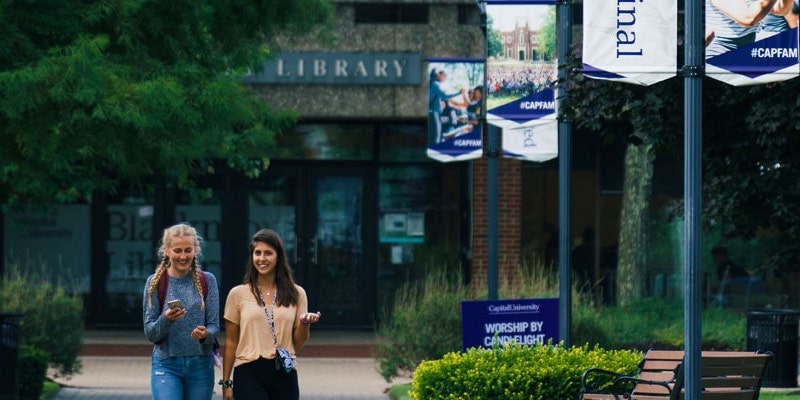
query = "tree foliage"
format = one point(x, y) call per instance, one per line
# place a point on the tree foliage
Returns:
point(95, 94)
point(750, 148)
point(751, 161)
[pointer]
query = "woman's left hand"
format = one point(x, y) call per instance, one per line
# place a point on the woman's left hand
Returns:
point(310, 318)
point(199, 333)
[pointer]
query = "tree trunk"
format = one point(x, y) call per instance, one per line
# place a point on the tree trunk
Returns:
point(633, 221)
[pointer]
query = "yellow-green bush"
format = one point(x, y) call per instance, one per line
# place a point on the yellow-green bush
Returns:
point(541, 372)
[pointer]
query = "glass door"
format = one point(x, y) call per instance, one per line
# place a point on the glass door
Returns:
point(320, 214)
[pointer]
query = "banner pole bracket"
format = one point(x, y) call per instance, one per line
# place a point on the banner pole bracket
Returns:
point(693, 70)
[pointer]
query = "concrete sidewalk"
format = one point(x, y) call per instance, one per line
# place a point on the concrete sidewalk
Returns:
point(334, 365)
point(128, 378)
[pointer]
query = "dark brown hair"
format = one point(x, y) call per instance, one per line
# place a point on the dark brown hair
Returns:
point(284, 281)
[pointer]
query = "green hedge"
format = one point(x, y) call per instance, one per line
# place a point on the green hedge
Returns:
point(541, 372)
point(52, 313)
point(32, 372)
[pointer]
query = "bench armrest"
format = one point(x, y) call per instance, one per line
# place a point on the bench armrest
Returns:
point(598, 380)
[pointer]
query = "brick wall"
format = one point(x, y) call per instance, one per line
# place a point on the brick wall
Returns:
point(509, 218)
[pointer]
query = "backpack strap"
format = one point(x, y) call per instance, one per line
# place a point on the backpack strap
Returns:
point(163, 283)
point(161, 288)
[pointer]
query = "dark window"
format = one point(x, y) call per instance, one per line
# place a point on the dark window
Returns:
point(391, 13)
point(577, 14)
point(468, 14)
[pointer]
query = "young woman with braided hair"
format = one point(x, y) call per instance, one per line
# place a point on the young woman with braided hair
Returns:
point(184, 333)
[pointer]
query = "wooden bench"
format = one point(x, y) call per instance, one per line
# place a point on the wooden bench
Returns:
point(658, 367)
point(725, 375)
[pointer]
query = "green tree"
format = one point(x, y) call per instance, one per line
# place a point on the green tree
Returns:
point(99, 94)
point(750, 159)
point(547, 35)
point(648, 120)
point(493, 39)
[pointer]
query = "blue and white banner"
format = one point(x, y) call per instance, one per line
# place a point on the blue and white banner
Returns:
point(455, 103)
point(630, 41)
point(746, 46)
point(521, 74)
point(536, 141)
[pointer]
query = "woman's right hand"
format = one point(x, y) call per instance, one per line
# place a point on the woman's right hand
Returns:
point(174, 314)
point(227, 393)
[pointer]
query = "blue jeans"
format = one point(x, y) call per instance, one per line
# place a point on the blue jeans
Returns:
point(182, 378)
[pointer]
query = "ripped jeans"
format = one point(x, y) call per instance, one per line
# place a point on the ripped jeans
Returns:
point(182, 378)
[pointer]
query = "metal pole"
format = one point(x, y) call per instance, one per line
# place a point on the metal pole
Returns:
point(492, 205)
point(564, 33)
point(693, 187)
point(493, 153)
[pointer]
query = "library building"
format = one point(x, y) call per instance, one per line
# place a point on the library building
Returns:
point(350, 188)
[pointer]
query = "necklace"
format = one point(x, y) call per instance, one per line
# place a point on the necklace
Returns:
point(268, 291)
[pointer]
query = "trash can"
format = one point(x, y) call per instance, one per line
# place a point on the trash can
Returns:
point(9, 354)
point(775, 330)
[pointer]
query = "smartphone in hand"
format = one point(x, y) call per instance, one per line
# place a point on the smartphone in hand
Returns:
point(175, 305)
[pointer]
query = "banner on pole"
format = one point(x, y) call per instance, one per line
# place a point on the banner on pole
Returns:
point(747, 46)
point(536, 141)
point(630, 41)
point(454, 109)
point(521, 74)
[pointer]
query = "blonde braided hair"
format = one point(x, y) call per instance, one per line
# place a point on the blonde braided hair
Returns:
point(196, 278)
point(160, 270)
point(178, 230)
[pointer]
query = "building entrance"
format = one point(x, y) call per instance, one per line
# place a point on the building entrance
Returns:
point(323, 215)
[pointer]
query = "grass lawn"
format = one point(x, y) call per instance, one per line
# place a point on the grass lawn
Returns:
point(779, 394)
point(400, 392)
point(50, 389)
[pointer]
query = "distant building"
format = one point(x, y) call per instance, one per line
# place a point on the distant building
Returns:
point(522, 43)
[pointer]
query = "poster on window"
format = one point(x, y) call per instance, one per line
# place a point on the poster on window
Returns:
point(630, 41)
point(521, 75)
point(454, 109)
point(751, 45)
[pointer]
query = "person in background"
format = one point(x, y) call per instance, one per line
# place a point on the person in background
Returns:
point(266, 312)
point(727, 273)
point(583, 261)
point(438, 100)
point(731, 24)
point(181, 318)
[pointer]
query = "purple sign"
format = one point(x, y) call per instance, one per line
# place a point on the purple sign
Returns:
point(524, 321)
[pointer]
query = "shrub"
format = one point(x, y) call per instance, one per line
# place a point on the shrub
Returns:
point(540, 372)
point(655, 323)
point(31, 372)
point(52, 315)
point(424, 323)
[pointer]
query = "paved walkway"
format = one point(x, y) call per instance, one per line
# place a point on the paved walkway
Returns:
point(336, 367)
point(128, 378)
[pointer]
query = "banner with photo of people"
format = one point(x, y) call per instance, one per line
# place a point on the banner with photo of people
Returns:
point(630, 41)
point(751, 43)
point(454, 109)
point(521, 73)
